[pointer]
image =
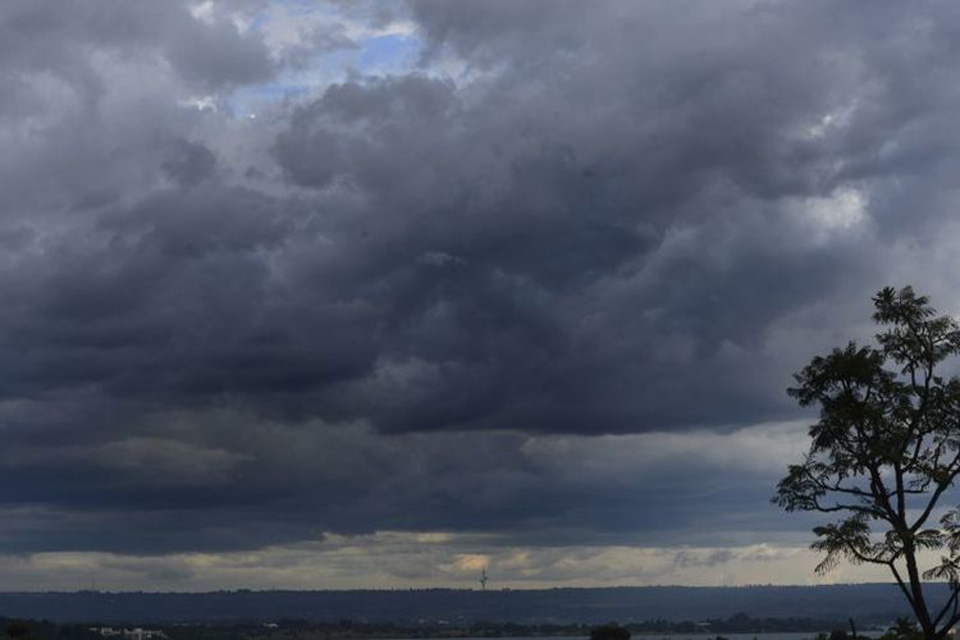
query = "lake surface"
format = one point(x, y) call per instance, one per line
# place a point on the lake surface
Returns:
point(679, 636)
point(809, 635)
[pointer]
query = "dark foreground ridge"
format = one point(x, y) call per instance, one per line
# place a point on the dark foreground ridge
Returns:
point(864, 602)
point(349, 630)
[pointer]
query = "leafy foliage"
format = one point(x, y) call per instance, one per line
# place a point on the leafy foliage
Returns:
point(884, 450)
point(611, 631)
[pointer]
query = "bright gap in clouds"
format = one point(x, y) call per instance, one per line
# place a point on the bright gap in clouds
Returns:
point(420, 471)
point(399, 560)
point(320, 44)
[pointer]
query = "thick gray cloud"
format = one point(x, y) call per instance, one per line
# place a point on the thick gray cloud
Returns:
point(424, 300)
point(69, 41)
point(224, 481)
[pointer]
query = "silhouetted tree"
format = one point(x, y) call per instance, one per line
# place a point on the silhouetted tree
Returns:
point(18, 629)
point(885, 449)
point(610, 631)
point(903, 629)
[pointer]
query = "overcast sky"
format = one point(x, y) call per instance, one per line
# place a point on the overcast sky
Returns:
point(375, 294)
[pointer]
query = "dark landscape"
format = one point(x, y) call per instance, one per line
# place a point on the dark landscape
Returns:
point(348, 629)
point(873, 603)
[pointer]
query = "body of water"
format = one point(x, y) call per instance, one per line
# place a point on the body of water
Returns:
point(683, 636)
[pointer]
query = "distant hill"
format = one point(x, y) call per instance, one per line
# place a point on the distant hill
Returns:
point(865, 602)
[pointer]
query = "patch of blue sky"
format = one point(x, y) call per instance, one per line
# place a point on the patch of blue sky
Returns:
point(388, 54)
point(378, 55)
point(309, 6)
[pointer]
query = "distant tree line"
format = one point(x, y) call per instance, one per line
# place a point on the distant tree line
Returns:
point(351, 629)
point(738, 623)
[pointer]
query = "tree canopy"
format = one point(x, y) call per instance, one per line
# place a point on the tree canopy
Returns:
point(884, 451)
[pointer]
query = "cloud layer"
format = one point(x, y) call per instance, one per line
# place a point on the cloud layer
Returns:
point(536, 272)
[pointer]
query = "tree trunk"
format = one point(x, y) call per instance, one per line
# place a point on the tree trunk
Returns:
point(916, 589)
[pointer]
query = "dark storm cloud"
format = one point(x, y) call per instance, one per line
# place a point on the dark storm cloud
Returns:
point(411, 301)
point(578, 209)
point(55, 36)
point(226, 481)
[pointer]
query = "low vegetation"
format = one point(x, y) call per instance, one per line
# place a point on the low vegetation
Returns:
point(349, 629)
